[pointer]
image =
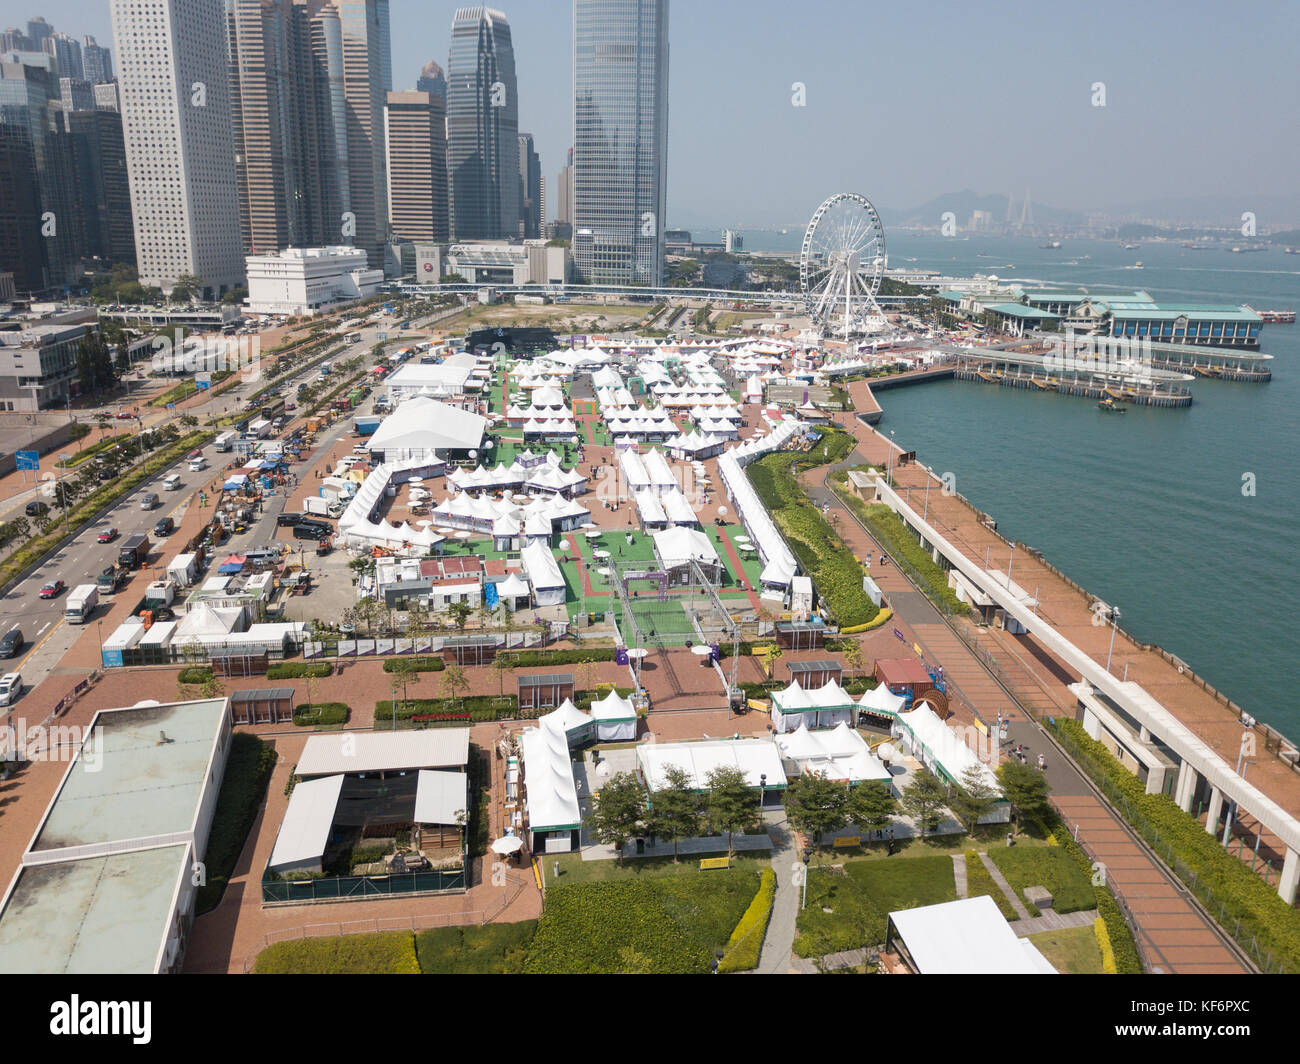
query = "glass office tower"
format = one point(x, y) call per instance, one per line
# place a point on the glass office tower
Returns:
point(620, 157)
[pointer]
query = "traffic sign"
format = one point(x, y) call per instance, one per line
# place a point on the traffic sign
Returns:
point(27, 460)
point(381, 336)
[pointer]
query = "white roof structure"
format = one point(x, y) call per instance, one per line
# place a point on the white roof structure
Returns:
point(422, 424)
point(552, 796)
point(440, 796)
point(678, 509)
point(650, 507)
point(634, 470)
point(966, 937)
point(755, 757)
point(680, 545)
point(796, 699)
point(305, 829)
point(542, 568)
point(565, 719)
point(940, 747)
point(384, 751)
point(694, 443)
point(445, 378)
point(548, 395)
point(613, 707)
point(550, 428)
point(839, 754)
point(512, 587)
point(880, 699)
point(552, 478)
point(657, 468)
point(779, 565)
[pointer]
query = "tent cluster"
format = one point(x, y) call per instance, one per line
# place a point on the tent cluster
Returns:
point(694, 445)
point(545, 475)
point(823, 707)
point(838, 754)
point(541, 517)
point(938, 747)
point(356, 523)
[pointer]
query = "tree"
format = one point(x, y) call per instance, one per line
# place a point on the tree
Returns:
point(771, 653)
point(872, 805)
point(853, 656)
point(460, 612)
point(502, 666)
point(675, 812)
point(923, 800)
point(404, 671)
point(1025, 788)
point(730, 800)
point(617, 811)
point(454, 681)
point(816, 804)
point(187, 286)
point(972, 797)
point(189, 421)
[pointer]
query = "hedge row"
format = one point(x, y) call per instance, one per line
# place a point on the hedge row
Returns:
point(385, 953)
point(420, 664)
point(881, 618)
point(817, 545)
point(243, 788)
point(1103, 944)
point(479, 708)
point(889, 530)
point(746, 942)
point(313, 714)
point(526, 659)
point(195, 674)
point(296, 670)
point(1245, 896)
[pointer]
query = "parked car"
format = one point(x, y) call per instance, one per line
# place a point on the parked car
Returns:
point(105, 475)
point(164, 528)
point(11, 642)
point(36, 508)
point(11, 686)
point(122, 415)
point(51, 588)
point(288, 519)
point(107, 535)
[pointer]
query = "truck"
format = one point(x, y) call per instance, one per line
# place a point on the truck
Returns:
point(226, 441)
point(110, 579)
point(324, 369)
point(81, 604)
point(134, 551)
point(321, 507)
point(160, 593)
point(366, 426)
point(183, 569)
point(260, 428)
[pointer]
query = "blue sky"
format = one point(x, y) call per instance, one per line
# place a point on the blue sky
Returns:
point(908, 101)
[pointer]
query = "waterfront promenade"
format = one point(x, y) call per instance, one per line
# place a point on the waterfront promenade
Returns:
point(1026, 665)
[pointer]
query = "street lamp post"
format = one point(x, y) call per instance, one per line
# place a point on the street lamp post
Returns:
point(1010, 564)
point(1242, 763)
point(1114, 626)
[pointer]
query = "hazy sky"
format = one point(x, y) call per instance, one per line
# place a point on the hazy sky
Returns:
point(908, 101)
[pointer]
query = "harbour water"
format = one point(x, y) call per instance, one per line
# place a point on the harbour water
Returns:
point(1147, 510)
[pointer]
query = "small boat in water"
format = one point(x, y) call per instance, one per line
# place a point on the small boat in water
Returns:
point(1109, 404)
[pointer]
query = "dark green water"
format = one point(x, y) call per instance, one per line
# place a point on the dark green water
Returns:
point(1145, 510)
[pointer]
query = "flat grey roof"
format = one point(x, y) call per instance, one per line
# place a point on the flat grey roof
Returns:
point(105, 914)
point(127, 783)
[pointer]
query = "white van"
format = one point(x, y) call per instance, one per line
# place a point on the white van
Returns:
point(11, 686)
point(198, 463)
point(173, 482)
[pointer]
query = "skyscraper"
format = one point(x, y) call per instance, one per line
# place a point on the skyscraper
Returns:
point(97, 62)
point(22, 251)
point(530, 189)
point(415, 131)
point(564, 193)
point(433, 80)
point(104, 193)
point(67, 54)
point(367, 80)
point(482, 127)
point(620, 84)
point(176, 114)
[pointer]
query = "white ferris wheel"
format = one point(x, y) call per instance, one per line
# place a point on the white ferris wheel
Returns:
point(841, 265)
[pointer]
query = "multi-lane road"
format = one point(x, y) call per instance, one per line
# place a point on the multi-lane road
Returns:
point(80, 560)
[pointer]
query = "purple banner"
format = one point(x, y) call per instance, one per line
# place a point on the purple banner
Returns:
point(901, 637)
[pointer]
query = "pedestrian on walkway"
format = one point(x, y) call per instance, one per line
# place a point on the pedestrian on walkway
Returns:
point(1042, 762)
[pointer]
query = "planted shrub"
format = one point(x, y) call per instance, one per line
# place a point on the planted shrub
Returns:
point(296, 670)
point(243, 788)
point(195, 674)
point(419, 664)
point(746, 942)
point(320, 713)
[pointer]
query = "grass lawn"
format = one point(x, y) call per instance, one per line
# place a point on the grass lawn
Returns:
point(980, 881)
point(487, 949)
point(573, 869)
point(1050, 867)
point(1073, 951)
point(985, 837)
point(386, 953)
point(667, 923)
point(860, 897)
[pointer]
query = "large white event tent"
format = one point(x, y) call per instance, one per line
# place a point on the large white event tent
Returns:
point(779, 565)
point(544, 574)
point(838, 754)
point(755, 757)
point(823, 707)
point(554, 817)
point(694, 445)
point(615, 718)
point(941, 750)
point(881, 701)
point(419, 428)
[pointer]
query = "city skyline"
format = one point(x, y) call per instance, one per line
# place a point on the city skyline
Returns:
point(749, 56)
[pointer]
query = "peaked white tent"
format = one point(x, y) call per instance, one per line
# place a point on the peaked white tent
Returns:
point(823, 707)
point(615, 718)
point(838, 754)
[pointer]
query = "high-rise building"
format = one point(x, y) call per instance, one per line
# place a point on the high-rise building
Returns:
point(37, 32)
point(367, 80)
point(76, 94)
point(12, 40)
point(433, 80)
point(564, 193)
point(482, 127)
point(620, 84)
point(106, 96)
point(67, 55)
point(96, 62)
point(29, 99)
point(331, 212)
point(530, 189)
point(104, 192)
point(415, 131)
point(22, 250)
point(176, 114)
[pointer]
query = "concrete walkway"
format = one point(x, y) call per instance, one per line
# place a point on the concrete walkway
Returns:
point(1007, 889)
point(829, 963)
point(1053, 921)
point(959, 874)
point(778, 943)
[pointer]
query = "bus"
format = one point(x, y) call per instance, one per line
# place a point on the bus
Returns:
point(352, 338)
point(272, 409)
